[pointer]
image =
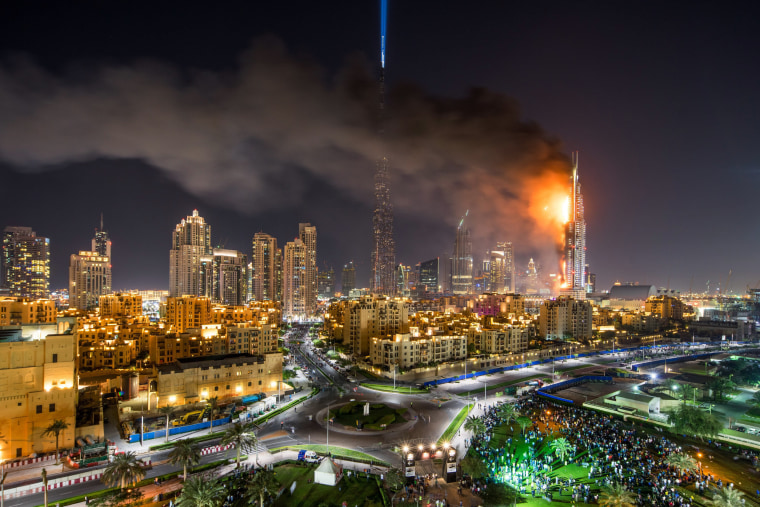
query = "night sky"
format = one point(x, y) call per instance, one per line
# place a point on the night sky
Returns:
point(261, 115)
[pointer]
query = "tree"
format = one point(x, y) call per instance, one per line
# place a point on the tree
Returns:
point(506, 412)
point(681, 461)
point(690, 420)
point(674, 388)
point(524, 422)
point(475, 425)
point(117, 498)
point(184, 453)
point(242, 437)
point(474, 466)
point(260, 484)
point(168, 411)
point(755, 400)
point(394, 481)
point(44, 485)
point(200, 492)
point(213, 402)
point(123, 471)
point(56, 428)
point(727, 497)
point(499, 494)
point(561, 447)
point(617, 496)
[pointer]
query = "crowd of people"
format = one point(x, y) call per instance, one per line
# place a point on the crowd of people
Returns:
point(611, 452)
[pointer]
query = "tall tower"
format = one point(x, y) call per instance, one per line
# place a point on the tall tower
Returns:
point(25, 263)
point(307, 233)
point(502, 268)
point(293, 279)
point(101, 243)
point(191, 246)
point(461, 262)
point(89, 278)
point(575, 238)
point(383, 260)
point(348, 280)
point(264, 267)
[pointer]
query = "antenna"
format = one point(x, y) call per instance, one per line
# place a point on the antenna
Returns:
point(101, 221)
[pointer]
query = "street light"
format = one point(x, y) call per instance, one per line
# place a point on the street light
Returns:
point(485, 395)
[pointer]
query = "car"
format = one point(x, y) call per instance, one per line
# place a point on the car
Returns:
point(742, 429)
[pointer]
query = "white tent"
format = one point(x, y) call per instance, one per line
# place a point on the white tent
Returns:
point(328, 473)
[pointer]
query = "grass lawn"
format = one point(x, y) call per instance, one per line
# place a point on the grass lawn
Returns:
point(352, 414)
point(353, 490)
point(571, 368)
point(453, 427)
point(337, 452)
point(391, 389)
point(504, 384)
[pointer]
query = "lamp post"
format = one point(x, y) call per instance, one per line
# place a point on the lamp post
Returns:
point(485, 393)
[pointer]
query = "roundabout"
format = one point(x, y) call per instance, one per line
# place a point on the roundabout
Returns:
point(367, 418)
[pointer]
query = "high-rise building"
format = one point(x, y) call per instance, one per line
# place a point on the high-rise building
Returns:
point(191, 241)
point(575, 240)
point(383, 258)
point(25, 263)
point(348, 281)
point(502, 268)
point(403, 276)
point(429, 275)
point(229, 277)
point(89, 278)
point(264, 257)
point(461, 262)
point(294, 280)
point(101, 243)
point(326, 283)
point(308, 235)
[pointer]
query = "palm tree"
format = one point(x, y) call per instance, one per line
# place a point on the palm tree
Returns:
point(242, 437)
point(506, 412)
point(168, 411)
point(184, 453)
point(617, 496)
point(682, 461)
point(56, 428)
point(213, 402)
point(561, 447)
point(124, 470)
point(524, 422)
point(260, 484)
point(727, 497)
point(200, 492)
point(475, 425)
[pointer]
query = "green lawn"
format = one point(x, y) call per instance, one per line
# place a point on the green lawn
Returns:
point(352, 414)
point(353, 490)
point(391, 389)
point(454, 425)
point(502, 385)
point(571, 368)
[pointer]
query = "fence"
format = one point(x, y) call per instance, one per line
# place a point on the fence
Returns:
point(134, 438)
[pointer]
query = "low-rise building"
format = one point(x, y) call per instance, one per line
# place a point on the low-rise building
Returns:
point(565, 318)
point(17, 310)
point(408, 351)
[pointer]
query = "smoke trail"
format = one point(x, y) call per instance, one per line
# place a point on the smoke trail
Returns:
point(246, 138)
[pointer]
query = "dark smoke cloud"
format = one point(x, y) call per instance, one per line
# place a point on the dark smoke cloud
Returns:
point(243, 138)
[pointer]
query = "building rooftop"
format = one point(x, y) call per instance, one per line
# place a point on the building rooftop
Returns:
point(207, 362)
point(632, 292)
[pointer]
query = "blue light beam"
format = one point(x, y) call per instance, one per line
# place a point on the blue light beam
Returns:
point(383, 24)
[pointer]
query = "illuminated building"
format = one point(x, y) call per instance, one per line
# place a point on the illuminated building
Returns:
point(666, 307)
point(348, 281)
point(308, 235)
point(38, 382)
point(407, 351)
point(25, 263)
point(16, 310)
point(190, 380)
point(89, 278)
point(502, 268)
point(224, 277)
point(461, 262)
point(403, 275)
point(565, 318)
point(429, 275)
point(294, 280)
point(383, 258)
point(264, 267)
point(372, 316)
point(187, 312)
point(191, 242)
point(121, 305)
point(326, 283)
point(101, 243)
point(575, 240)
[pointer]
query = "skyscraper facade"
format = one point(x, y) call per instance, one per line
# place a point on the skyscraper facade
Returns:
point(461, 262)
point(383, 258)
point(294, 280)
point(575, 239)
point(89, 278)
point(264, 257)
point(429, 275)
point(308, 235)
point(229, 277)
point(101, 243)
point(348, 280)
point(326, 283)
point(191, 241)
point(501, 272)
point(25, 263)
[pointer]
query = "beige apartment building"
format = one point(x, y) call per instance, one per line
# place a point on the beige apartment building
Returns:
point(565, 318)
point(408, 351)
point(18, 310)
point(38, 385)
point(185, 312)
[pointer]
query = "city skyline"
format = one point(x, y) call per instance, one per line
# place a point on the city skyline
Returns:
point(654, 128)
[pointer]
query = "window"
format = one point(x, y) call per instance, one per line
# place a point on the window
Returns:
point(228, 387)
point(55, 358)
point(249, 385)
point(216, 388)
point(51, 407)
point(259, 382)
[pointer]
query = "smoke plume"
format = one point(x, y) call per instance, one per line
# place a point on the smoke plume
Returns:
point(244, 138)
